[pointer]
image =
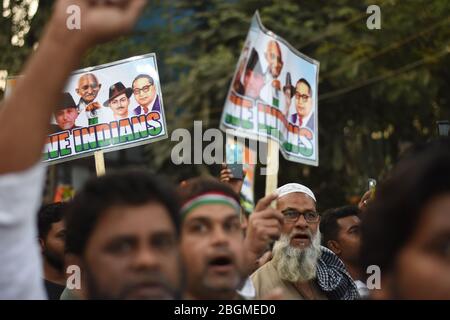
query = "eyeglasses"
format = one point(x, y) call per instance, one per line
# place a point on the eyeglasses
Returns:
point(304, 97)
point(145, 89)
point(292, 215)
point(93, 86)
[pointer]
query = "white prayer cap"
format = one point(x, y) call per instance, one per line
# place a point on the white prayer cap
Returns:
point(295, 187)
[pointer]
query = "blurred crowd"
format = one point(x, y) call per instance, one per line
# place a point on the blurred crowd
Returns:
point(132, 235)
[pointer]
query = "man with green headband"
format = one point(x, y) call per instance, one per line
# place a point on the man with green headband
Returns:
point(211, 240)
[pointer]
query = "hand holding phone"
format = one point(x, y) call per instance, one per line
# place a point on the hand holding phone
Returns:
point(234, 156)
point(372, 186)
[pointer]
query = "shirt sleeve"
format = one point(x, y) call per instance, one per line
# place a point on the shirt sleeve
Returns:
point(20, 260)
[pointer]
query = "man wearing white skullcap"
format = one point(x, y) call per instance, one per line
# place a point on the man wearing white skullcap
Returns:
point(300, 266)
point(295, 187)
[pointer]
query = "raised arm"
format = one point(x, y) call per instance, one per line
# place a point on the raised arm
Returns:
point(25, 114)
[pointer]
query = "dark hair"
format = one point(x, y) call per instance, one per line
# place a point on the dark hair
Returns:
point(305, 82)
point(49, 214)
point(253, 63)
point(328, 222)
point(200, 185)
point(128, 187)
point(392, 218)
point(143, 76)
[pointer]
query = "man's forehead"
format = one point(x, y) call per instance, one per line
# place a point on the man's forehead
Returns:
point(58, 225)
point(296, 200)
point(434, 219)
point(142, 80)
point(273, 47)
point(255, 75)
point(212, 213)
point(87, 78)
point(302, 87)
point(349, 221)
point(123, 95)
point(151, 217)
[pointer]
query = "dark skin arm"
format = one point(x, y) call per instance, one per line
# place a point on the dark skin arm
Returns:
point(61, 49)
point(366, 198)
point(264, 227)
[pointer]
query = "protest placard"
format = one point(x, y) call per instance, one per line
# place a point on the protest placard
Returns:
point(105, 108)
point(274, 94)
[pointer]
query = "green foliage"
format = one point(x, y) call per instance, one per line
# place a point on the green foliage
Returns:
point(379, 89)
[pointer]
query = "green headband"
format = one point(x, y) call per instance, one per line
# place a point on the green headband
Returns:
point(209, 198)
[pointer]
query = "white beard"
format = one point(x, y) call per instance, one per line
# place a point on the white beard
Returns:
point(294, 264)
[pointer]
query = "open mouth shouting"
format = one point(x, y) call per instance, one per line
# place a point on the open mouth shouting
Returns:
point(221, 264)
point(301, 239)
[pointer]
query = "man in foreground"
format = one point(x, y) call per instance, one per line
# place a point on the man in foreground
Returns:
point(211, 240)
point(406, 227)
point(123, 232)
point(21, 177)
point(300, 266)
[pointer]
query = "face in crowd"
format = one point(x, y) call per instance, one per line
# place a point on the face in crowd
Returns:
point(133, 256)
point(296, 253)
point(348, 239)
point(253, 83)
point(212, 249)
point(303, 98)
point(340, 230)
point(52, 233)
point(65, 118)
point(426, 257)
point(144, 91)
point(88, 87)
point(119, 106)
point(273, 56)
point(130, 249)
point(406, 227)
point(421, 267)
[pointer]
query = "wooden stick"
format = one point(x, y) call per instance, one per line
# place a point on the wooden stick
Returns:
point(99, 163)
point(272, 167)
